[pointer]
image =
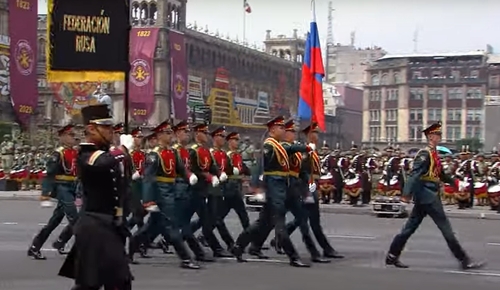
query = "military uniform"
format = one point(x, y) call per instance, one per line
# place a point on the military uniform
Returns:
point(276, 168)
point(138, 159)
point(7, 150)
point(59, 183)
point(424, 184)
point(163, 166)
point(203, 203)
point(98, 256)
point(309, 175)
point(233, 195)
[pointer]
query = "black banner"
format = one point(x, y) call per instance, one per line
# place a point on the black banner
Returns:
point(88, 35)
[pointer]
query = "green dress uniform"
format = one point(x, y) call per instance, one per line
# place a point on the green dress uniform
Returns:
point(163, 166)
point(276, 168)
point(424, 184)
point(60, 183)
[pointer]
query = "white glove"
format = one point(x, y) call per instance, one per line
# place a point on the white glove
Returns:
point(223, 177)
point(236, 171)
point(153, 208)
point(47, 203)
point(127, 141)
point(136, 175)
point(312, 146)
point(312, 187)
point(215, 181)
point(261, 177)
point(193, 179)
point(323, 171)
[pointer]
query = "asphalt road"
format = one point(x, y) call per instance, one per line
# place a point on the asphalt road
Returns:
point(363, 239)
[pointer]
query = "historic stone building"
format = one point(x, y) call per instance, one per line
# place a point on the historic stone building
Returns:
point(243, 86)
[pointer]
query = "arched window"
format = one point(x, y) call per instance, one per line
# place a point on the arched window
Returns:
point(41, 49)
point(375, 80)
point(397, 78)
point(385, 79)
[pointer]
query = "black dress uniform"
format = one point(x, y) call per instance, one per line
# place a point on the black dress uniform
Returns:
point(98, 256)
point(424, 184)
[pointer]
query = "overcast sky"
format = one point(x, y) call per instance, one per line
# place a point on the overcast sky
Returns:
point(442, 25)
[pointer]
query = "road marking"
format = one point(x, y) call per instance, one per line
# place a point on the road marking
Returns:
point(48, 250)
point(258, 260)
point(488, 274)
point(352, 237)
point(493, 244)
point(9, 223)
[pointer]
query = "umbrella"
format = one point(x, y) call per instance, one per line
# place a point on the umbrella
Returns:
point(443, 150)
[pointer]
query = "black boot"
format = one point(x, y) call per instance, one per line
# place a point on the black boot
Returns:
point(203, 241)
point(468, 264)
point(143, 251)
point(163, 244)
point(391, 260)
point(60, 247)
point(298, 263)
point(332, 254)
point(238, 253)
point(257, 253)
point(188, 264)
point(320, 260)
point(277, 247)
point(221, 253)
point(35, 253)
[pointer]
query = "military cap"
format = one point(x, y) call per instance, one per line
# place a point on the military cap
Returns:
point(182, 125)
point(221, 132)
point(435, 128)
point(137, 132)
point(201, 127)
point(150, 135)
point(119, 128)
point(65, 129)
point(465, 150)
point(97, 114)
point(389, 149)
point(494, 152)
point(165, 126)
point(233, 136)
point(354, 146)
point(313, 127)
point(276, 121)
point(290, 126)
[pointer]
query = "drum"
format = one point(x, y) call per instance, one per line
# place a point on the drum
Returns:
point(352, 186)
point(390, 189)
point(463, 191)
point(2, 174)
point(326, 187)
point(494, 196)
point(480, 190)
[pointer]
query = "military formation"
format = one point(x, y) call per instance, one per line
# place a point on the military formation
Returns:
point(357, 175)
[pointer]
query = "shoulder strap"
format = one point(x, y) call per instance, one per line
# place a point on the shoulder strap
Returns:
point(94, 156)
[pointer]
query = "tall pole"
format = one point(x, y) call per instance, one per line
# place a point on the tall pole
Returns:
point(244, 21)
point(126, 97)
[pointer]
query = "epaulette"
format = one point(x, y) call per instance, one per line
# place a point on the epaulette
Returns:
point(176, 146)
point(194, 146)
point(60, 149)
point(212, 150)
point(156, 149)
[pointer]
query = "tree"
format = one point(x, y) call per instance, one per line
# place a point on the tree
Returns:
point(474, 144)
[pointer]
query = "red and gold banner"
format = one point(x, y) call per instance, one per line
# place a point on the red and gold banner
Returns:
point(75, 96)
point(141, 85)
point(23, 25)
point(179, 75)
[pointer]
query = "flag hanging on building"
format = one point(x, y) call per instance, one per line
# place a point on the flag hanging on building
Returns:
point(311, 91)
point(247, 7)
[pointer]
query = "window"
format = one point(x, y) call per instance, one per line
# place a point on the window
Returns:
point(416, 115)
point(374, 133)
point(493, 92)
point(385, 79)
point(392, 95)
point(474, 114)
point(391, 133)
point(416, 75)
point(436, 74)
point(415, 133)
point(416, 94)
point(453, 133)
point(454, 115)
point(474, 74)
point(474, 93)
point(375, 96)
point(455, 94)
point(397, 78)
point(391, 115)
point(374, 115)
point(473, 132)
point(434, 114)
point(375, 80)
point(455, 74)
point(494, 81)
point(435, 94)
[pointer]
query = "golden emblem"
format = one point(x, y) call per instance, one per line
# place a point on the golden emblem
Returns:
point(24, 59)
point(140, 73)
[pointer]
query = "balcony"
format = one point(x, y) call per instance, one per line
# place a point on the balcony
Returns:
point(446, 81)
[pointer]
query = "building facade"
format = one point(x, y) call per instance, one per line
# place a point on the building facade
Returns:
point(492, 105)
point(244, 86)
point(348, 64)
point(405, 93)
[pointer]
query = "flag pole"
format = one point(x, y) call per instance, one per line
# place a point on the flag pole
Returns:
point(244, 21)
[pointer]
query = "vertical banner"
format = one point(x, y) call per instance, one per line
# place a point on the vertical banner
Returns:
point(23, 25)
point(179, 75)
point(141, 86)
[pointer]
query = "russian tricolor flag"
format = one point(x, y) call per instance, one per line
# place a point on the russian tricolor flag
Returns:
point(311, 90)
